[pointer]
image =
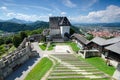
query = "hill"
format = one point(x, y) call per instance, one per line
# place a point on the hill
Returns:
point(14, 20)
point(15, 27)
point(97, 24)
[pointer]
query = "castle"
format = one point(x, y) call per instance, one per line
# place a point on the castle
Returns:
point(59, 27)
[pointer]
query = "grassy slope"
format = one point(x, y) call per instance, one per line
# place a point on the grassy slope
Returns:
point(74, 46)
point(40, 69)
point(101, 65)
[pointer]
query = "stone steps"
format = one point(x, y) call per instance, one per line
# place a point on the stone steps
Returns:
point(77, 70)
point(76, 67)
point(74, 62)
point(87, 73)
point(63, 77)
point(71, 68)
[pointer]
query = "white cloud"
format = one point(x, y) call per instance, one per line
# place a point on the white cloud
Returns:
point(27, 17)
point(3, 8)
point(92, 2)
point(11, 14)
point(63, 13)
point(50, 14)
point(28, 6)
point(110, 14)
point(69, 3)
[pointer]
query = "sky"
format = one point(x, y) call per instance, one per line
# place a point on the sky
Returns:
point(78, 11)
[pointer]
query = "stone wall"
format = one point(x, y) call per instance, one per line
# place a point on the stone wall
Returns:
point(116, 74)
point(89, 53)
point(13, 60)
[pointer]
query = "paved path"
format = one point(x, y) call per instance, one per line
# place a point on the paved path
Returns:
point(23, 70)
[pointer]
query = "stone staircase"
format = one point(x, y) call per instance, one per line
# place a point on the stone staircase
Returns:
point(72, 68)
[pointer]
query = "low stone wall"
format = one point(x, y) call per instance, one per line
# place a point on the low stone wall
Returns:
point(13, 60)
point(116, 74)
point(10, 62)
point(89, 53)
point(114, 63)
point(111, 61)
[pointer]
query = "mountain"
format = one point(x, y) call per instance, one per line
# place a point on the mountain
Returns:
point(15, 27)
point(1, 20)
point(37, 24)
point(98, 24)
point(14, 20)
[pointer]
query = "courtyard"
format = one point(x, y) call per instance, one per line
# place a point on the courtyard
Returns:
point(70, 66)
point(62, 63)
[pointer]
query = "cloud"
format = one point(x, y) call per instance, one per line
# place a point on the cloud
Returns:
point(92, 2)
point(50, 14)
point(28, 6)
point(27, 17)
point(86, 5)
point(63, 13)
point(3, 8)
point(69, 3)
point(110, 14)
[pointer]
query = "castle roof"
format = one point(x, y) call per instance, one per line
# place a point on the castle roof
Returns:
point(103, 42)
point(114, 48)
point(98, 40)
point(56, 22)
point(80, 38)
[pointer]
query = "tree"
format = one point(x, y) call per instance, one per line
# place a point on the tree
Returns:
point(8, 40)
point(89, 37)
point(16, 40)
point(1, 41)
point(72, 31)
point(23, 35)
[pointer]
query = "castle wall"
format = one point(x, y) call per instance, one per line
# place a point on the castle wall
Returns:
point(54, 31)
point(64, 29)
point(13, 60)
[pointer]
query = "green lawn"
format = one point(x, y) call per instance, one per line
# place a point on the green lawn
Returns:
point(39, 70)
point(51, 47)
point(77, 79)
point(101, 65)
point(73, 46)
point(43, 46)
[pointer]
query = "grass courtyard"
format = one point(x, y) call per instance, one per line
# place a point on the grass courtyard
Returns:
point(52, 45)
point(39, 70)
point(100, 64)
point(43, 46)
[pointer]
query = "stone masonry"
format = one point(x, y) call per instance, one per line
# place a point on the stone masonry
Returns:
point(13, 60)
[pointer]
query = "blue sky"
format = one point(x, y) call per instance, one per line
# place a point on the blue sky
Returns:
point(80, 11)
